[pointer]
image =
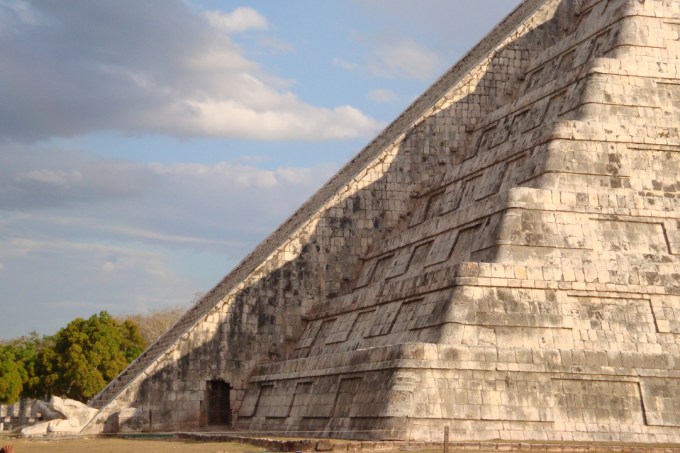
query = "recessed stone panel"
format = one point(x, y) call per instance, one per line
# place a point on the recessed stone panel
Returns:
point(661, 397)
point(630, 236)
point(500, 260)
point(597, 401)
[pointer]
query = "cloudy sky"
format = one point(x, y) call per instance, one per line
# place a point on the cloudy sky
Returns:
point(146, 146)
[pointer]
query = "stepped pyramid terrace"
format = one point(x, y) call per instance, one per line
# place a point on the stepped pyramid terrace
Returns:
point(502, 259)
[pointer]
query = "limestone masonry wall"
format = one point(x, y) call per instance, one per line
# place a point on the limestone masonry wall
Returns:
point(501, 260)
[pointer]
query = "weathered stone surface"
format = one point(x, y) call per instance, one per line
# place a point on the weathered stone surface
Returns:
point(64, 416)
point(48, 412)
point(130, 420)
point(39, 429)
point(502, 260)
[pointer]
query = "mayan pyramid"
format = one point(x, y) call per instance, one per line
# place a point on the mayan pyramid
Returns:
point(502, 259)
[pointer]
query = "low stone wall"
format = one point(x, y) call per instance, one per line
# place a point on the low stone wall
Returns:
point(295, 445)
point(21, 413)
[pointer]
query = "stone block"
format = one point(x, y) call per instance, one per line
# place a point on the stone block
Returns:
point(497, 256)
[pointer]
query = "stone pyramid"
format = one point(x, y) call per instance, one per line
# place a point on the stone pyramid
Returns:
point(502, 259)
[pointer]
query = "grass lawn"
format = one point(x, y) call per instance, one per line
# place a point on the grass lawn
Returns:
point(125, 446)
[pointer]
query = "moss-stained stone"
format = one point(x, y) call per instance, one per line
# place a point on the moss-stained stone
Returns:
point(502, 260)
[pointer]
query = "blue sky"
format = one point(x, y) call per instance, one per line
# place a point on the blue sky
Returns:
point(146, 147)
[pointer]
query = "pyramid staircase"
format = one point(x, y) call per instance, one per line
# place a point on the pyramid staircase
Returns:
point(502, 259)
point(152, 353)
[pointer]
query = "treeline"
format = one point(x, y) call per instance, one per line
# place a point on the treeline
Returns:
point(80, 359)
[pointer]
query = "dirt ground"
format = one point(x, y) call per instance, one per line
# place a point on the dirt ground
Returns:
point(126, 446)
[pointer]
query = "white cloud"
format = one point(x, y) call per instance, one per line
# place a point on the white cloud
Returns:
point(238, 21)
point(276, 46)
point(167, 72)
point(52, 177)
point(101, 257)
point(20, 8)
point(381, 95)
point(219, 118)
point(404, 58)
point(344, 64)
point(178, 230)
point(242, 176)
point(119, 229)
point(74, 195)
point(53, 280)
point(144, 234)
point(34, 177)
point(450, 27)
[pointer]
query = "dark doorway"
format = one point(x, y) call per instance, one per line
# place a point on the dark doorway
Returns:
point(219, 407)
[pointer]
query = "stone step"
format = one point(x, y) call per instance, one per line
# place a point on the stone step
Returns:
point(150, 355)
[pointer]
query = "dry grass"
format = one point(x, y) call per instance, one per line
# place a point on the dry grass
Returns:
point(126, 446)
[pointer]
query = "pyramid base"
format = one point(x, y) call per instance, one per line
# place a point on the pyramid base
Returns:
point(411, 392)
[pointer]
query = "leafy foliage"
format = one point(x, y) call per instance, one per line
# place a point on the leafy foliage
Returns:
point(89, 353)
point(17, 366)
point(77, 362)
point(11, 382)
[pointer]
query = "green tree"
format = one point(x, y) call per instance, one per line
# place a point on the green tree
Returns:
point(11, 379)
point(87, 354)
point(41, 374)
point(18, 357)
point(32, 351)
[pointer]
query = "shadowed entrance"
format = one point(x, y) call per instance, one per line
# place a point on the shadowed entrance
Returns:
point(219, 407)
